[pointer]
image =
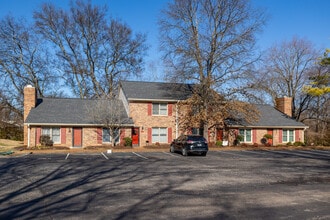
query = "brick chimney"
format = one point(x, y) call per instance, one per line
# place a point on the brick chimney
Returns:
point(284, 105)
point(30, 101)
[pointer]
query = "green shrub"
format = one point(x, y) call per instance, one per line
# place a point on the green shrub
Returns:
point(218, 143)
point(289, 144)
point(239, 138)
point(268, 136)
point(298, 143)
point(128, 141)
point(46, 141)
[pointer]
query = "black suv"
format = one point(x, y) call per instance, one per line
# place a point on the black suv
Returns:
point(189, 144)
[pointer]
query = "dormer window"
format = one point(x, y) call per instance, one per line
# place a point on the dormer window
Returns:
point(159, 108)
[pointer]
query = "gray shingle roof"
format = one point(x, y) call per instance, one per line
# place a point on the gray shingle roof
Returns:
point(134, 90)
point(77, 111)
point(68, 111)
point(270, 117)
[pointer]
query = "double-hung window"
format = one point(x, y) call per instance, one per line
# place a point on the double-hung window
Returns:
point(106, 137)
point(159, 108)
point(53, 133)
point(159, 135)
point(246, 134)
point(288, 135)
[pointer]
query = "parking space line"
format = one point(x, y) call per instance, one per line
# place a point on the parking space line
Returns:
point(140, 156)
point(67, 156)
point(104, 156)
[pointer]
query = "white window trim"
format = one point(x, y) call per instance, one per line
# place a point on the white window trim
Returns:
point(159, 128)
point(244, 136)
point(51, 133)
point(110, 141)
point(159, 104)
point(103, 137)
point(287, 131)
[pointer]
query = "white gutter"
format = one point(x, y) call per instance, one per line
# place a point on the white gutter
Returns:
point(176, 120)
point(76, 125)
point(265, 126)
point(153, 100)
point(29, 132)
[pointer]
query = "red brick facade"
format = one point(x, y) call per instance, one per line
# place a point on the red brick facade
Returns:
point(145, 122)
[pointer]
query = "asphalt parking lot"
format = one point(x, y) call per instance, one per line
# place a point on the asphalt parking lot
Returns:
point(161, 185)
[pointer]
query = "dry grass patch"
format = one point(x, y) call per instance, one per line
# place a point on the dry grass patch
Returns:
point(7, 145)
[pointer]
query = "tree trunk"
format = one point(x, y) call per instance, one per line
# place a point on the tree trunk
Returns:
point(206, 131)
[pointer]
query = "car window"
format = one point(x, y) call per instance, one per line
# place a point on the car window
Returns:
point(196, 138)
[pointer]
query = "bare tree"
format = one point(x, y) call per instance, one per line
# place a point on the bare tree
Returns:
point(285, 70)
point(110, 113)
point(94, 51)
point(23, 60)
point(210, 43)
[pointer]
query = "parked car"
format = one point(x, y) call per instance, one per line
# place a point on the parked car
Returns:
point(187, 144)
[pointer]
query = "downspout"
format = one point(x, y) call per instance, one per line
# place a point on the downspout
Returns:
point(176, 120)
point(29, 132)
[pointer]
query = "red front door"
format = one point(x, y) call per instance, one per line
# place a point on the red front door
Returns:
point(135, 136)
point(77, 137)
point(270, 141)
point(219, 134)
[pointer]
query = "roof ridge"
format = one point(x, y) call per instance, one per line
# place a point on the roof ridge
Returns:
point(133, 81)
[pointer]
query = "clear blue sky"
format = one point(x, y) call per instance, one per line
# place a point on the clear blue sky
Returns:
point(287, 18)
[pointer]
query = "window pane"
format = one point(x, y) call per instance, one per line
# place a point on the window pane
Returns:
point(159, 135)
point(163, 131)
point(285, 135)
point(56, 131)
point(163, 109)
point(56, 135)
point(291, 135)
point(106, 135)
point(155, 109)
point(159, 109)
point(248, 135)
point(116, 135)
point(45, 131)
point(163, 135)
point(241, 132)
point(155, 135)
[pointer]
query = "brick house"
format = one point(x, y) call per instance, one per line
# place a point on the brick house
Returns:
point(276, 122)
point(151, 116)
point(153, 108)
point(68, 122)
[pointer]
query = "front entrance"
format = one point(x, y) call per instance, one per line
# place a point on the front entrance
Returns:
point(77, 137)
point(219, 134)
point(135, 136)
point(270, 141)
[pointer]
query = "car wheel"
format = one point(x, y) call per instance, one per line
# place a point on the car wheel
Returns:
point(184, 152)
point(203, 154)
point(172, 149)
